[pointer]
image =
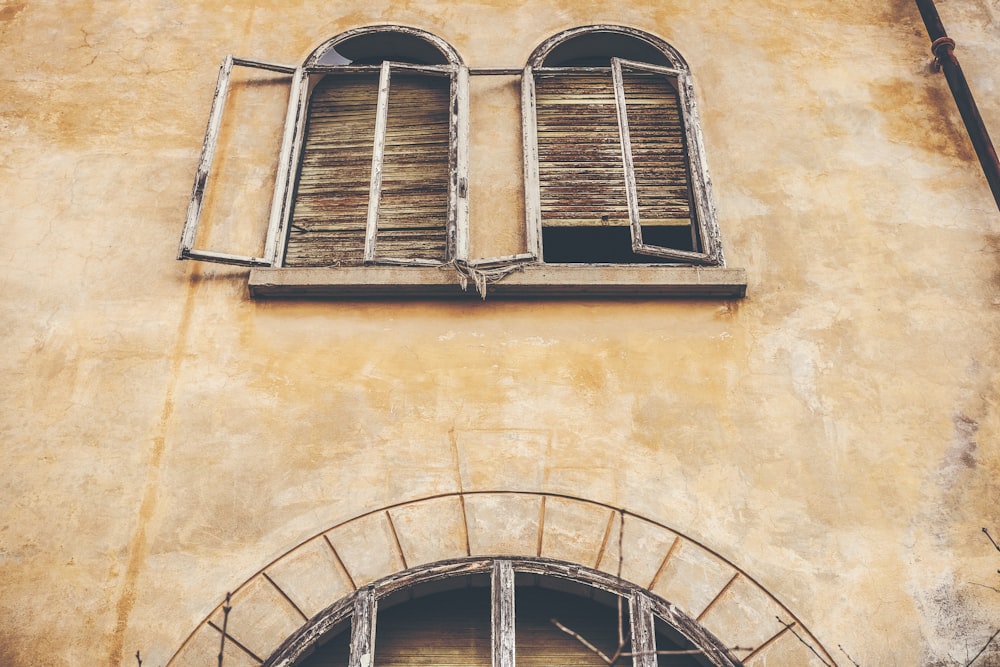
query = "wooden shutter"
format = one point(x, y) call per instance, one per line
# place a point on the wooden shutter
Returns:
point(580, 177)
point(338, 192)
point(413, 210)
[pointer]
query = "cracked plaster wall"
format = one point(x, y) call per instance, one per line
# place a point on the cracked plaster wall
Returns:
point(834, 433)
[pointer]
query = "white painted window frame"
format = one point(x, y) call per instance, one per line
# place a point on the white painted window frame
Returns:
point(201, 181)
point(682, 82)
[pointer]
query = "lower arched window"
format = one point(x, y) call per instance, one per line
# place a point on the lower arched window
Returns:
point(502, 613)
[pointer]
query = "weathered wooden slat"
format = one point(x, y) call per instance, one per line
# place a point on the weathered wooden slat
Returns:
point(333, 195)
point(581, 174)
point(363, 629)
point(502, 614)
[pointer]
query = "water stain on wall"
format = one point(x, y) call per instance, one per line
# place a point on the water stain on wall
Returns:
point(10, 11)
point(923, 117)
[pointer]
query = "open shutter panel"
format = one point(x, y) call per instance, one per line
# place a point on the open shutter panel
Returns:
point(655, 157)
point(201, 183)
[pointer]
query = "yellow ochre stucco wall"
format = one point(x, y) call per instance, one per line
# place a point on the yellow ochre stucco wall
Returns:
point(833, 435)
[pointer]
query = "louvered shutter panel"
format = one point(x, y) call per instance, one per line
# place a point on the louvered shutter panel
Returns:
point(331, 199)
point(580, 174)
point(329, 218)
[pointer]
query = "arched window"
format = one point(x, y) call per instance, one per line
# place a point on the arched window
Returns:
point(502, 612)
point(371, 168)
point(616, 171)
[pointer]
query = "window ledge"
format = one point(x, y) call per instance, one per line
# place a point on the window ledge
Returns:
point(533, 280)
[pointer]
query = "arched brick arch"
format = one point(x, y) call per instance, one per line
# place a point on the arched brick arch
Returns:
point(282, 597)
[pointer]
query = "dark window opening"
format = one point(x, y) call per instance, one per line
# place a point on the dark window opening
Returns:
point(585, 245)
point(595, 49)
point(374, 47)
point(542, 602)
point(668, 639)
point(335, 649)
point(449, 628)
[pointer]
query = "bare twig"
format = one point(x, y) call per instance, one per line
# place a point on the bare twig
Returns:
point(853, 661)
point(138, 658)
point(603, 656)
point(788, 626)
point(988, 641)
point(685, 651)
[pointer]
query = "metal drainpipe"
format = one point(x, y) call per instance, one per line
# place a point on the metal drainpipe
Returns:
point(943, 48)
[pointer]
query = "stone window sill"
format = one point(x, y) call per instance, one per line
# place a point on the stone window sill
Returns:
point(533, 281)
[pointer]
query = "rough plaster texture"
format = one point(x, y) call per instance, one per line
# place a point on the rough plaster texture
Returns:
point(833, 435)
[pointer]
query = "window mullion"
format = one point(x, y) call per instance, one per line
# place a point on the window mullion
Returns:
point(532, 192)
point(375, 190)
point(502, 613)
point(282, 182)
point(643, 631)
point(363, 629)
point(631, 192)
point(458, 190)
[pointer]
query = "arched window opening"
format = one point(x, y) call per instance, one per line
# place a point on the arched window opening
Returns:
point(596, 48)
point(619, 175)
point(374, 176)
point(503, 613)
